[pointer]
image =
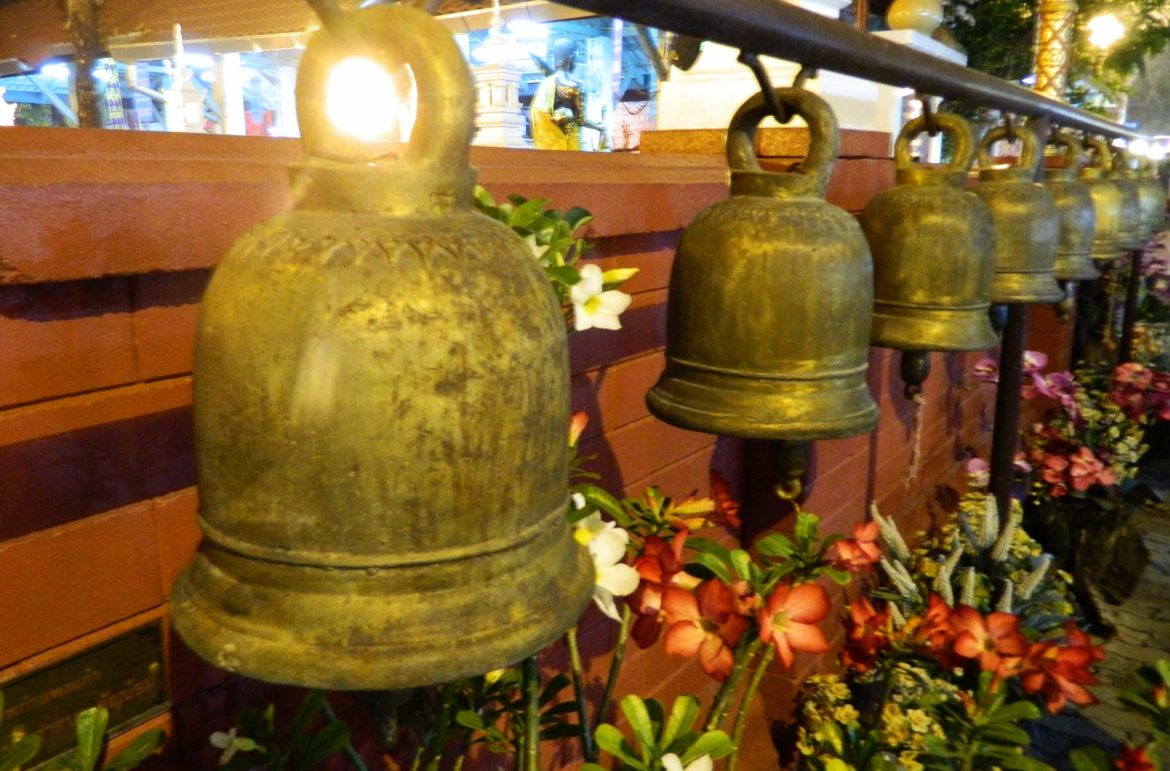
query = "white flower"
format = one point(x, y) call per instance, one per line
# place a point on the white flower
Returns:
point(594, 308)
point(672, 762)
point(607, 546)
point(536, 249)
point(231, 744)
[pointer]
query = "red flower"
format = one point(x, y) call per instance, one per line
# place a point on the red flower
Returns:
point(726, 507)
point(861, 551)
point(788, 620)
point(659, 565)
point(1086, 471)
point(995, 639)
point(1135, 759)
point(703, 623)
point(1060, 672)
point(577, 425)
point(867, 635)
point(1053, 473)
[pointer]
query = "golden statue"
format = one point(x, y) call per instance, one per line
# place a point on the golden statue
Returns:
point(557, 113)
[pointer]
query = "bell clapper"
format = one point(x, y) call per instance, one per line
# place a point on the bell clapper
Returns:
point(1065, 307)
point(998, 315)
point(914, 371)
point(790, 461)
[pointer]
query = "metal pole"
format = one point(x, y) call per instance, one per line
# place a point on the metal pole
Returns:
point(1007, 408)
point(771, 28)
point(1129, 312)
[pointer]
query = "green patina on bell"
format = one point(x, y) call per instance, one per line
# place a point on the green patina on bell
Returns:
point(770, 299)
point(1134, 230)
point(1027, 223)
point(1107, 202)
point(933, 249)
point(1152, 194)
point(1078, 219)
point(381, 410)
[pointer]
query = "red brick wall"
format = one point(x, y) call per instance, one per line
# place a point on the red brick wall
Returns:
point(109, 243)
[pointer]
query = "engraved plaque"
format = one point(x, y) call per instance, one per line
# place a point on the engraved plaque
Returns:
point(124, 675)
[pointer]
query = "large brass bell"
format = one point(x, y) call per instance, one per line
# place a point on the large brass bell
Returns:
point(381, 408)
point(1027, 224)
point(1134, 230)
point(1107, 202)
point(933, 250)
point(1152, 195)
point(770, 299)
point(1078, 220)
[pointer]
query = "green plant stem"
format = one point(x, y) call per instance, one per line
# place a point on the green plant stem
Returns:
point(531, 743)
point(746, 703)
point(348, 749)
point(587, 747)
point(615, 665)
point(744, 652)
point(434, 747)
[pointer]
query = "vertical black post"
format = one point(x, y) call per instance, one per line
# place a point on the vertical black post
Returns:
point(1007, 407)
point(1129, 313)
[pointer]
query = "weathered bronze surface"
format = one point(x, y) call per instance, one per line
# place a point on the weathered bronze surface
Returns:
point(1027, 224)
point(770, 299)
point(381, 409)
point(1107, 201)
point(933, 250)
point(124, 675)
point(1134, 230)
point(1152, 195)
point(1078, 220)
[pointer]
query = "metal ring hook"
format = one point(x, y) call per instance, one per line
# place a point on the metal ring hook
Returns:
point(1009, 125)
point(774, 106)
point(932, 127)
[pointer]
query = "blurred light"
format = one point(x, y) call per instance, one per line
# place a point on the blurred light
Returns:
point(527, 29)
point(201, 61)
point(1156, 153)
point(56, 71)
point(1139, 146)
point(1105, 30)
point(360, 99)
point(1028, 80)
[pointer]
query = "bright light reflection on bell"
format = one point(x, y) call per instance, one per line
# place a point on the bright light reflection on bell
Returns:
point(362, 100)
point(1139, 146)
point(1156, 153)
point(1105, 30)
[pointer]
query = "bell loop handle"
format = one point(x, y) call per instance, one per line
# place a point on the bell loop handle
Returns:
point(1074, 151)
point(954, 126)
point(823, 143)
point(932, 126)
point(392, 36)
point(1030, 155)
point(776, 108)
point(1099, 153)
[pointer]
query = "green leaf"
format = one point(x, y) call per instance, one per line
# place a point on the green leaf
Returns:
point(527, 212)
point(565, 274)
point(614, 742)
point(90, 726)
point(715, 565)
point(742, 562)
point(683, 713)
point(597, 498)
point(470, 719)
point(806, 525)
point(139, 750)
point(1163, 668)
point(1089, 759)
point(1013, 712)
point(1005, 733)
point(840, 577)
point(560, 731)
point(1023, 763)
point(20, 752)
point(592, 767)
point(308, 710)
point(707, 546)
point(327, 742)
point(577, 217)
point(555, 685)
point(639, 718)
point(775, 545)
point(717, 744)
point(483, 198)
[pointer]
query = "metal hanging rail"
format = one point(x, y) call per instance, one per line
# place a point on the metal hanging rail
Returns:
point(776, 28)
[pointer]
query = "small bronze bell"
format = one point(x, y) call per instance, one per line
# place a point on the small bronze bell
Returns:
point(1077, 217)
point(1027, 224)
point(933, 251)
point(770, 299)
point(1152, 195)
point(381, 410)
point(1107, 202)
point(1134, 230)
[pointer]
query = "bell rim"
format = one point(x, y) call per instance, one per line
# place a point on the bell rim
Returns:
point(952, 335)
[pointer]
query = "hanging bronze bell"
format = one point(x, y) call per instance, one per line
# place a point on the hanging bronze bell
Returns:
point(933, 250)
point(1107, 202)
point(1134, 230)
point(770, 299)
point(1078, 221)
point(1152, 195)
point(381, 410)
point(1027, 224)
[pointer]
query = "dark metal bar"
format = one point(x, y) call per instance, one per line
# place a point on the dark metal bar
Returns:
point(1007, 408)
point(1130, 311)
point(773, 28)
